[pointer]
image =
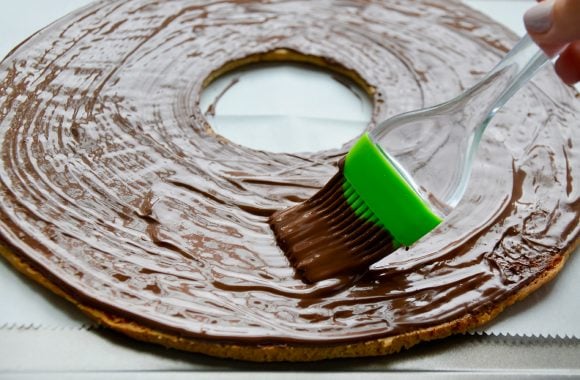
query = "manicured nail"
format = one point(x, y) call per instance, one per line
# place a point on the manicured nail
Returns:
point(538, 19)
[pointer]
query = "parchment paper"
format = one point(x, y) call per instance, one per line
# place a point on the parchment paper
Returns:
point(315, 111)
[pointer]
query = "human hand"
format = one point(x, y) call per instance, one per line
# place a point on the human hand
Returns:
point(553, 24)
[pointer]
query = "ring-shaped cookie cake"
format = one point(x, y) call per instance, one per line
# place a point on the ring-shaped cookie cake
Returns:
point(117, 194)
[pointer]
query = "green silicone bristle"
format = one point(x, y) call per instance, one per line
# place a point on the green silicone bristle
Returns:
point(358, 204)
point(377, 192)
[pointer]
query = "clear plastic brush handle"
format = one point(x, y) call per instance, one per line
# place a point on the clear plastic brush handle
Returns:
point(439, 142)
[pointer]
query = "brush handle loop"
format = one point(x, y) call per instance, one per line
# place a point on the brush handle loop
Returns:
point(517, 67)
point(458, 124)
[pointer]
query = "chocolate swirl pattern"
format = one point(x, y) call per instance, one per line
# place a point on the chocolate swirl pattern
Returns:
point(115, 188)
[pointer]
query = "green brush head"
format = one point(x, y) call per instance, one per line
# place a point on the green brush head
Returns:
point(389, 200)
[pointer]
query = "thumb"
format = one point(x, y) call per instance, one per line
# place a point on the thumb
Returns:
point(554, 23)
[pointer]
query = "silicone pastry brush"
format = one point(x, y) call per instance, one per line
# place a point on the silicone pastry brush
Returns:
point(383, 196)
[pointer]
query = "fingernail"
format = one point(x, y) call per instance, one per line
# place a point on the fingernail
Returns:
point(538, 19)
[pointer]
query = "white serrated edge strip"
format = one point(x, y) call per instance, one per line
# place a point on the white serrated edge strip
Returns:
point(33, 327)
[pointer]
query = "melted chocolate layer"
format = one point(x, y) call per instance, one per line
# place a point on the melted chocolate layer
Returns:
point(113, 185)
point(323, 237)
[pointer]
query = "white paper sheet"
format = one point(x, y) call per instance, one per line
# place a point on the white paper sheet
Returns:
point(286, 108)
point(551, 311)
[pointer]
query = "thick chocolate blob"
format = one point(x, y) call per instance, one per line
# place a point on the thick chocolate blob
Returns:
point(113, 185)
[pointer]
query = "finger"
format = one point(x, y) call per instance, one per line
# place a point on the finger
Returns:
point(553, 23)
point(568, 64)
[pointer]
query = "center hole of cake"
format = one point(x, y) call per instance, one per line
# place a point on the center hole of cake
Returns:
point(286, 107)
